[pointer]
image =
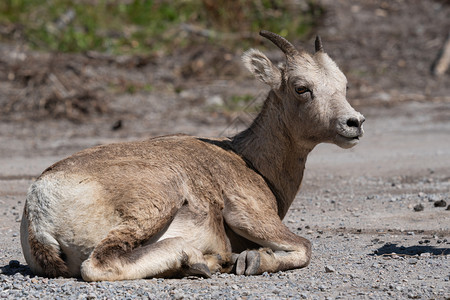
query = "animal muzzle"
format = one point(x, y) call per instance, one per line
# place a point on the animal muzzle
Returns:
point(349, 129)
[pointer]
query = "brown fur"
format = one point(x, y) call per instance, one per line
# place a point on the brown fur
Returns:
point(181, 205)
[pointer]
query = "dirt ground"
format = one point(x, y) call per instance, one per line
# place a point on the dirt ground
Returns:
point(356, 206)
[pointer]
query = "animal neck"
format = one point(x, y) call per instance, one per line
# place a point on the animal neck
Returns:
point(268, 146)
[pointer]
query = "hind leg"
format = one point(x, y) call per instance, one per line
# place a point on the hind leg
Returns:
point(165, 258)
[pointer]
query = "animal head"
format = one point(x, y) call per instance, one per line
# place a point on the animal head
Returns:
point(310, 94)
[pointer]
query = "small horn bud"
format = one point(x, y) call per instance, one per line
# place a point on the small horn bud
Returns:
point(318, 44)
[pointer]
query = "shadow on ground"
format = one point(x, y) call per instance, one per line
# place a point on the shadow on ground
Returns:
point(14, 267)
point(389, 248)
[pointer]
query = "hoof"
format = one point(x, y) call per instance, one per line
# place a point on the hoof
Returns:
point(200, 270)
point(248, 262)
point(253, 262)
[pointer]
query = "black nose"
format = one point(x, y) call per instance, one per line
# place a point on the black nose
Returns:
point(354, 122)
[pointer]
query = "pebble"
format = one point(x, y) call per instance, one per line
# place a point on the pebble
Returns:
point(414, 296)
point(440, 203)
point(418, 207)
point(215, 100)
point(14, 264)
point(329, 269)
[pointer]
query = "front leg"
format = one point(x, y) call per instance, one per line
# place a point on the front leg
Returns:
point(254, 262)
point(281, 249)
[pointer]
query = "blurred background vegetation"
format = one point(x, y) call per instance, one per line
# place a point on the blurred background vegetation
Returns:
point(146, 26)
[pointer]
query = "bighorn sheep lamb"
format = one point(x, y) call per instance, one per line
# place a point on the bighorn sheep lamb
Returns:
point(182, 205)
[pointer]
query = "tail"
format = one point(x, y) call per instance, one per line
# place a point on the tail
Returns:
point(40, 249)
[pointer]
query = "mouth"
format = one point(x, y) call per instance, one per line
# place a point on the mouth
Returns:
point(347, 141)
point(349, 138)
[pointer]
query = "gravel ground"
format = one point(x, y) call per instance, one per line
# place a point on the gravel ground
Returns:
point(356, 206)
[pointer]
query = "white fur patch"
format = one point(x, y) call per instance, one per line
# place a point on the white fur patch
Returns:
point(68, 213)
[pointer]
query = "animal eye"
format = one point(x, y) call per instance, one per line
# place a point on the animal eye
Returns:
point(301, 90)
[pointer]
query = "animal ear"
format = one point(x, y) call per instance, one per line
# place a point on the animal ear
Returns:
point(263, 69)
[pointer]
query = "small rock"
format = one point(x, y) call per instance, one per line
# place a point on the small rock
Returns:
point(361, 293)
point(329, 269)
point(413, 261)
point(322, 287)
point(215, 100)
point(93, 296)
point(14, 263)
point(440, 203)
point(187, 94)
point(384, 96)
point(275, 291)
point(418, 207)
point(117, 125)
